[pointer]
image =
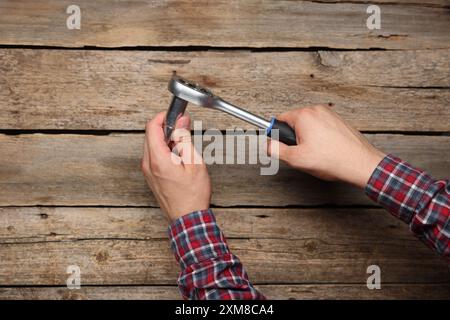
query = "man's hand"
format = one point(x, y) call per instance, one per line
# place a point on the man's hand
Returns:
point(179, 182)
point(328, 148)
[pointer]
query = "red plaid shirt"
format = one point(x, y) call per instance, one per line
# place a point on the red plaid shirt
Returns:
point(416, 198)
point(211, 271)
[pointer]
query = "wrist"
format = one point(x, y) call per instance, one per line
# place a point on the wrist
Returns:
point(174, 215)
point(368, 163)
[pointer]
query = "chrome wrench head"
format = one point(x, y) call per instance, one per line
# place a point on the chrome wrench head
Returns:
point(191, 92)
point(183, 92)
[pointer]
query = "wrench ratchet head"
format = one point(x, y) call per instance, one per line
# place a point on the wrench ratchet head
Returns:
point(191, 92)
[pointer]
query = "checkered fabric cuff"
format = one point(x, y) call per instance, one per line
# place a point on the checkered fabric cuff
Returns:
point(399, 187)
point(195, 237)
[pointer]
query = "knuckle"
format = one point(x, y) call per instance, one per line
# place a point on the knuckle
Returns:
point(313, 111)
point(317, 107)
point(307, 112)
point(148, 125)
point(155, 167)
point(144, 167)
point(321, 108)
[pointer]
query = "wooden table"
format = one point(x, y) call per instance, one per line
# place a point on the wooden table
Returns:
point(73, 105)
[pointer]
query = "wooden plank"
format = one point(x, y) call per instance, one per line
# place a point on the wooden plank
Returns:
point(239, 23)
point(115, 247)
point(344, 291)
point(120, 90)
point(41, 224)
point(91, 293)
point(37, 169)
point(131, 262)
point(282, 292)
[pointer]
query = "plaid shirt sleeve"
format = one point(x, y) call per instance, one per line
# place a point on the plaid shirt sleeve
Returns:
point(208, 269)
point(416, 198)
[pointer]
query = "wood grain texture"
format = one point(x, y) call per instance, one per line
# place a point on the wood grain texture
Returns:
point(224, 23)
point(118, 246)
point(282, 292)
point(37, 169)
point(120, 90)
point(43, 224)
point(289, 253)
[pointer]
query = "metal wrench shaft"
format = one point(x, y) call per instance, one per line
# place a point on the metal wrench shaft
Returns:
point(186, 91)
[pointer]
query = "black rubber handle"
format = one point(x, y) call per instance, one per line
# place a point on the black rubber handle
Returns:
point(285, 133)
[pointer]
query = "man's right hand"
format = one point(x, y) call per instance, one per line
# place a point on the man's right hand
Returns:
point(327, 148)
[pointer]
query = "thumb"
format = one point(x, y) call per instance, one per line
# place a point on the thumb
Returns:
point(185, 148)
